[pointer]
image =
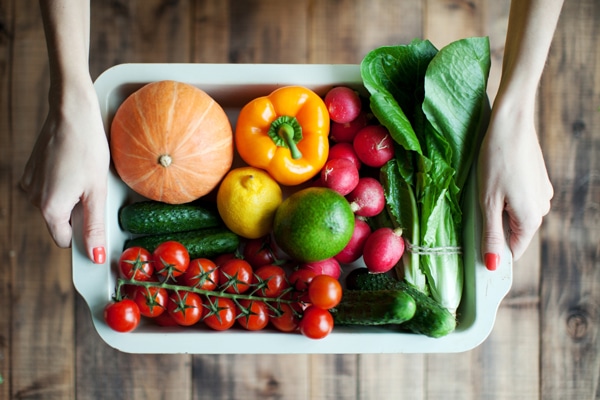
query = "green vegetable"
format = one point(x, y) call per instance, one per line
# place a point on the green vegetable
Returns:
point(430, 318)
point(153, 217)
point(202, 243)
point(381, 307)
point(434, 104)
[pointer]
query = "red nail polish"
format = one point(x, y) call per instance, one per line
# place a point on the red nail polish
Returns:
point(99, 255)
point(491, 261)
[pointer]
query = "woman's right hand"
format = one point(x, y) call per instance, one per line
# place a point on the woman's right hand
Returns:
point(69, 164)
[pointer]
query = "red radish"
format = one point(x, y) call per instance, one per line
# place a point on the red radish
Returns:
point(383, 249)
point(367, 199)
point(345, 132)
point(340, 175)
point(344, 150)
point(329, 266)
point(374, 145)
point(343, 104)
point(354, 248)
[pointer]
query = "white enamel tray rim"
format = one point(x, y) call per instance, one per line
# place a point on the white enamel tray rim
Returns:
point(232, 85)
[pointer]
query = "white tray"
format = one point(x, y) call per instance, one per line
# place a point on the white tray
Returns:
point(232, 85)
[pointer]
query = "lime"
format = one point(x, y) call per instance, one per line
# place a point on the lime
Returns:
point(313, 224)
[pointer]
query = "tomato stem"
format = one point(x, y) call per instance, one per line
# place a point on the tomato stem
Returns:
point(214, 293)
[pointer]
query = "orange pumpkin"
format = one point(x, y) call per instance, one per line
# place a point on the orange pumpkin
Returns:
point(171, 142)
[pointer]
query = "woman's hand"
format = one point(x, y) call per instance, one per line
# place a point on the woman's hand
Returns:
point(512, 180)
point(68, 165)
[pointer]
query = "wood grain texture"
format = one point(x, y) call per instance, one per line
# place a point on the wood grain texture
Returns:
point(7, 185)
point(545, 343)
point(252, 377)
point(42, 298)
point(570, 131)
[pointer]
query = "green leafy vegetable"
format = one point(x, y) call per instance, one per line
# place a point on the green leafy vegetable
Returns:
point(434, 104)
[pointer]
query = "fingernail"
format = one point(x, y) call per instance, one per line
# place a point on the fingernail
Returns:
point(99, 255)
point(491, 261)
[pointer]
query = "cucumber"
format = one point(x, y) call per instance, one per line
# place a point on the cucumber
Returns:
point(153, 217)
point(201, 243)
point(430, 319)
point(379, 307)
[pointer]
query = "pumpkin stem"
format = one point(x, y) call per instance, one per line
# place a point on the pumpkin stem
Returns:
point(165, 160)
point(286, 132)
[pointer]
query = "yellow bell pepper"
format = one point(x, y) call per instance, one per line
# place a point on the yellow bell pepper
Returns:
point(285, 133)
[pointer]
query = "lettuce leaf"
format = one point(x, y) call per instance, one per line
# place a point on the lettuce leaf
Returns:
point(434, 104)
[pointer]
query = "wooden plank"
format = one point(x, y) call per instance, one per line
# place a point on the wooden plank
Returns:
point(211, 31)
point(42, 341)
point(267, 31)
point(344, 31)
point(7, 186)
point(333, 376)
point(252, 377)
point(570, 135)
point(139, 31)
point(505, 366)
point(390, 376)
point(448, 20)
point(135, 31)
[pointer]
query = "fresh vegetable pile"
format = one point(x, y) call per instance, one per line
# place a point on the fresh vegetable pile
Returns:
point(375, 177)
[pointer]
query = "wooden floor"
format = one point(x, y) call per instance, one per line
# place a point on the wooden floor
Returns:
point(546, 341)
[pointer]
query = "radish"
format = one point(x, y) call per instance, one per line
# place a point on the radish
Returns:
point(374, 145)
point(367, 199)
point(383, 249)
point(345, 132)
point(343, 104)
point(344, 150)
point(340, 174)
point(354, 248)
point(329, 266)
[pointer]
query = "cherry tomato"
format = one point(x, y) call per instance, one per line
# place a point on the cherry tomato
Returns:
point(152, 300)
point(300, 279)
point(287, 321)
point(221, 313)
point(316, 323)
point(220, 259)
point(271, 281)
point(235, 276)
point(136, 262)
point(254, 315)
point(259, 251)
point(324, 291)
point(201, 273)
point(165, 319)
point(185, 307)
point(171, 259)
point(123, 315)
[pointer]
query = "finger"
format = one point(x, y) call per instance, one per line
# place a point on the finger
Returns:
point(522, 231)
point(492, 242)
point(94, 234)
point(59, 226)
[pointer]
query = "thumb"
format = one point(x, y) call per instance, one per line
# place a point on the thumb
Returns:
point(493, 241)
point(94, 234)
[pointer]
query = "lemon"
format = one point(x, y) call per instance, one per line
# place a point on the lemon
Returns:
point(247, 200)
point(313, 224)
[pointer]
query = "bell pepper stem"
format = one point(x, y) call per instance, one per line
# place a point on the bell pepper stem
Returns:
point(286, 132)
